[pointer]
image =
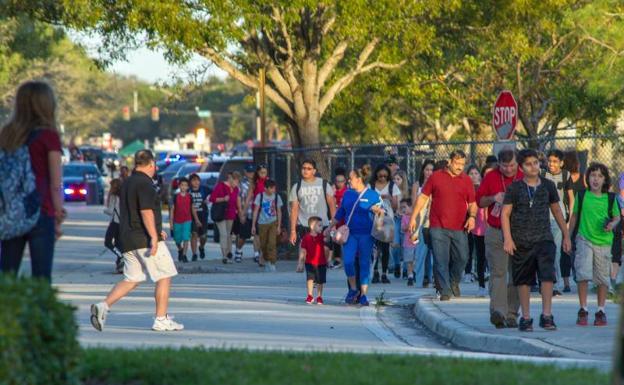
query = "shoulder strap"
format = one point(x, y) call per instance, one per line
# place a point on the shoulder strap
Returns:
point(610, 206)
point(261, 198)
point(325, 197)
point(580, 197)
point(391, 187)
point(298, 188)
point(355, 205)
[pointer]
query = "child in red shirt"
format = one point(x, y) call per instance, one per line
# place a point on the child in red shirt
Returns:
point(312, 254)
point(181, 213)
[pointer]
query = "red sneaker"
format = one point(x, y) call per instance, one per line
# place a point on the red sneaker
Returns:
point(601, 319)
point(309, 300)
point(581, 320)
point(319, 300)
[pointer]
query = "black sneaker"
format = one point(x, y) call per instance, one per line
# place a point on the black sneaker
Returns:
point(497, 319)
point(195, 257)
point(410, 281)
point(397, 272)
point(445, 297)
point(581, 319)
point(180, 259)
point(567, 289)
point(375, 277)
point(557, 293)
point(547, 322)
point(384, 279)
point(202, 253)
point(525, 325)
point(229, 257)
point(405, 276)
point(600, 319)
point(511, 323)
point(455, 289)
point(184, 259)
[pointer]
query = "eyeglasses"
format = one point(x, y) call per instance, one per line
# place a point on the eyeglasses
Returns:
point(340, 180)
point(307, 168)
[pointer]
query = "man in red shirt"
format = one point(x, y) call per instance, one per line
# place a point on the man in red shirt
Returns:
point(451, 217)
point(504, 301)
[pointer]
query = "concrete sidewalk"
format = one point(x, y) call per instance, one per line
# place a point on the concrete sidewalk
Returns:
point(465, 323)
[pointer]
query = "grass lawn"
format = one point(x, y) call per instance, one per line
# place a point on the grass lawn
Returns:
point(197, 366)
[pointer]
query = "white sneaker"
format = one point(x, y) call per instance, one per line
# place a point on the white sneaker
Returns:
point(273, 267)
point(167, 325)
point(482, 293)
point(98, 315)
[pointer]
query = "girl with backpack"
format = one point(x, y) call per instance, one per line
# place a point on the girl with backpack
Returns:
point(390, 194)
point(30, 160)
point(111, 239)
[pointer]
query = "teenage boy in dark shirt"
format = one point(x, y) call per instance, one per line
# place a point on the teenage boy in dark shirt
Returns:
point(525, 222)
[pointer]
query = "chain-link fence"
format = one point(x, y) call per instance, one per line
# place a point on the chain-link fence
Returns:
point(283, 164)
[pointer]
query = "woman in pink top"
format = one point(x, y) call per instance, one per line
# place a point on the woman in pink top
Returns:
point(227, 192)
point(476, 239)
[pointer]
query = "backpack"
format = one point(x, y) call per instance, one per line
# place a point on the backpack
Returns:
point(324, 195)
point(565, 175)
point(20, 202)
point(581, 196)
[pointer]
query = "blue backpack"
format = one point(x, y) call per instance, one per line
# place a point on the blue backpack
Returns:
point(20, 203)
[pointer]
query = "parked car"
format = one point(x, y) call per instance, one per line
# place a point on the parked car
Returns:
point(184, 171)
point(93, 154)
point(165, 178)
point(208, 180)
point(75, 175)
point(236, 163)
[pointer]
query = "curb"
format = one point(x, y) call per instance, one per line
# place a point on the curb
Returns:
point(461, 335)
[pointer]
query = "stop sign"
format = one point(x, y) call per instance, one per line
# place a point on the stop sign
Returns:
point(505, 115)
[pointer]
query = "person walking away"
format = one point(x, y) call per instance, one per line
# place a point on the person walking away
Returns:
point(199, 227)
point(526, 223)
point(357, 208)
point(424, 250)
point(111, 239)
point(504, 300)
point(242, 223)
point(596, 213)
point(340, 187)
point(561, 178)
point(396, 250)
point(143, 246)
point(572, 165)
point(452, 201)
point(30, 158)
point(409, 241)
point(476, 238)
point(390, 195)
point(181, 214)
point(226, 196)
point(311, 196)
point(312, 258)
point(268, 216)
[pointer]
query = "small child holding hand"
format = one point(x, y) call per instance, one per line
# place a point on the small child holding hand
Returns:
point(312, 257)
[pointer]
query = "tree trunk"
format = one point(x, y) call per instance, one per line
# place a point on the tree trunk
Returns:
point(305, 135)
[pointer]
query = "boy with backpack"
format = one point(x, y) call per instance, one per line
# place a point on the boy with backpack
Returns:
point(181, 214)
point(595, 216)
point(268, 217)
point(563, 182)
point(312, 256)
point(199, 228)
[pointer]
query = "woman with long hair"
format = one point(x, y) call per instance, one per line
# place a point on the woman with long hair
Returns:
point(476, 238)
point(33, 123)
point(390, 195)
point(358, 206)
point(423, 268)
point(111, 239)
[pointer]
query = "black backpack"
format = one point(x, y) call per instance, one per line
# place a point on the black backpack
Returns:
point(581, 196)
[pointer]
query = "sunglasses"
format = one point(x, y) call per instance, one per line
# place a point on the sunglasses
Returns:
point(307, 168)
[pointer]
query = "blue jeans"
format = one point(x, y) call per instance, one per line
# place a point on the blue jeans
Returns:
point(450, 253)
point(397, 252)
point(41, 245)
point(423, 253)
point(362, 246)
point(558, 238)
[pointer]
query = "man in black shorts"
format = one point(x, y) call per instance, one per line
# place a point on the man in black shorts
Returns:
point(525, 222)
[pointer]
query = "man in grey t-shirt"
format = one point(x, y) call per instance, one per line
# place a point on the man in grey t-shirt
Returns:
point(312, 196)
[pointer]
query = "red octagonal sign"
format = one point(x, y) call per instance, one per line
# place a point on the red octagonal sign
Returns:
point(505, 115)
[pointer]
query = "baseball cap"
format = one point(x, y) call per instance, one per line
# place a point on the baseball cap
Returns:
point(250, 167)
point(391, 159)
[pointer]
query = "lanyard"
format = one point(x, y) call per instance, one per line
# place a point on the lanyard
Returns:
point(532, 194)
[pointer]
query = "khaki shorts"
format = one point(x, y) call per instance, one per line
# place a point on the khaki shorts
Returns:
point(591, 262)
point(159, 266)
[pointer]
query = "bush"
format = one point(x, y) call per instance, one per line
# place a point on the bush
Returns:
point(37, 335)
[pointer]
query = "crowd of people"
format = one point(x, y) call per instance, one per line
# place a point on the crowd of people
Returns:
point(524, 222)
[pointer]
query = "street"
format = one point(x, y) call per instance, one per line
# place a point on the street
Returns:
point(246, 308)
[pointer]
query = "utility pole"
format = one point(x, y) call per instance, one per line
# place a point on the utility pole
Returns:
point(262, 82)
point(136, 102)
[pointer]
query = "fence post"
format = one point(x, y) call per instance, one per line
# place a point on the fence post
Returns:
point(408, 163)
point(288, 173)
point(352, 158)
point(473, 151)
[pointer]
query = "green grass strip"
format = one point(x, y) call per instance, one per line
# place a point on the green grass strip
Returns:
point(234, 367)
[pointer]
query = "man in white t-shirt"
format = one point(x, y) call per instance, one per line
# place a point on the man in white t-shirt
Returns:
point(311, 196)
